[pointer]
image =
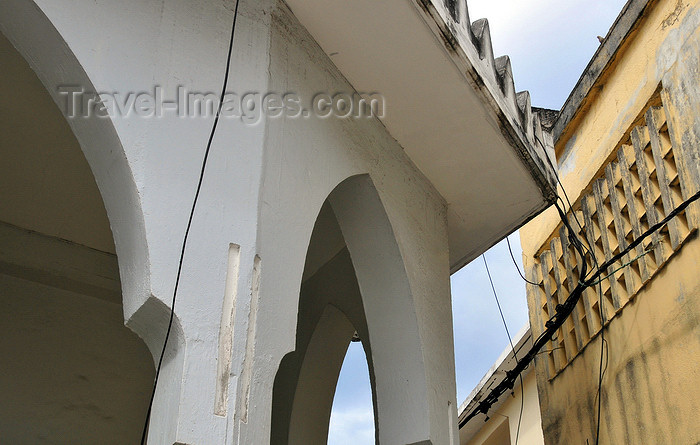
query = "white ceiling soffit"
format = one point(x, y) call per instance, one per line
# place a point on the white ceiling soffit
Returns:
point(449, 103)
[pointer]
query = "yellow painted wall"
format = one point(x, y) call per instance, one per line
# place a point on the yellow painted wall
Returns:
point(651, 387)
point(613, 104)
point(651, 392)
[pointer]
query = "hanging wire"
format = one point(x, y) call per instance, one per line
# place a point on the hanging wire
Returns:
point(189, 224)
point(515, 263)
point(591, 251)
point(512, 346)
point(564, 310)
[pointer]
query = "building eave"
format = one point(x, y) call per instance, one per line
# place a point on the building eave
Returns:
point(450, 104)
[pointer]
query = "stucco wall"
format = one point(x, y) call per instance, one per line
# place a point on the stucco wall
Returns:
point(650, 392)
point(305, 160)
point(72, 372)
point(263, 188)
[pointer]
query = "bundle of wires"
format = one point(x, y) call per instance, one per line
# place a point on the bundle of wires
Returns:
point(562, 311)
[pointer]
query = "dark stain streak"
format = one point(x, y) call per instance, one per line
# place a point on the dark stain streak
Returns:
point(605, 397)
point(673, 16)
point(669, 408)
point(622, 407)
point(660, 431)
point(453, 8)
point(553, 430)
point(540, 172)
point(579, 411)
point(637, 400)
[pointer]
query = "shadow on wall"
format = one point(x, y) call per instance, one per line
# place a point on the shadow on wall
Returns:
point(72, 372)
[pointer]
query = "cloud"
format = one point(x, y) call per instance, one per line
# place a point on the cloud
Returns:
point(549, 41)
point(352, 417)
point(351, 426)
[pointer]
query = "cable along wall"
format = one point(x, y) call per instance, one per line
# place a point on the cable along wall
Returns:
point(648, 176)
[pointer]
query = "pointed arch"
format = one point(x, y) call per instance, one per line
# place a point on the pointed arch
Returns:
point(363, 287)
point(74, 372)
point(41, 45)
point(318, 376)
point(397, 370)
point(33, 35)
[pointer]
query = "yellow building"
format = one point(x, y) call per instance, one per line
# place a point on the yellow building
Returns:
point(627, 145)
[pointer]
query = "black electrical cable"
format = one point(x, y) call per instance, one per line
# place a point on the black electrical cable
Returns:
point(601, 371)
point(189, 222)
point(515, 263)
point(649, 232)
point(550, 327)
point(564, 310)
point(603, 344)
point(512, 346)
point(615, 258)
point(568, 201)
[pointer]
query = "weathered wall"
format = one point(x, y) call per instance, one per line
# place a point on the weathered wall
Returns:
point(620, 96)
point(71, 371)
point(265, 182)
point(263, 188)
point(315, 156)
point(47, 183)
point(649, 391)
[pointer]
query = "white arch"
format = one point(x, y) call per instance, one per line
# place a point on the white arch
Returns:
point(387, 324)
point(318, 376)
point(399, 381)
point(40, 43)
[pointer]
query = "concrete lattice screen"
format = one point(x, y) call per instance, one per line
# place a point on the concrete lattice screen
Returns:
point(647, 178)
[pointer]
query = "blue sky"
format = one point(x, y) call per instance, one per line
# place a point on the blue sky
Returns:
point(549, 43)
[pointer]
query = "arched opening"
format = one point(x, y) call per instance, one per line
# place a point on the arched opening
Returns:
point(330, 312)
point(72, 372)
point(354, 281)
point(352, 416)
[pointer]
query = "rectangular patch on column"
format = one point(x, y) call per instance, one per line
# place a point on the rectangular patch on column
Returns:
point(228, 314)
point(246, 374)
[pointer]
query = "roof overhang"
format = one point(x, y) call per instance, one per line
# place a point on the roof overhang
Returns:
point(450, 105)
